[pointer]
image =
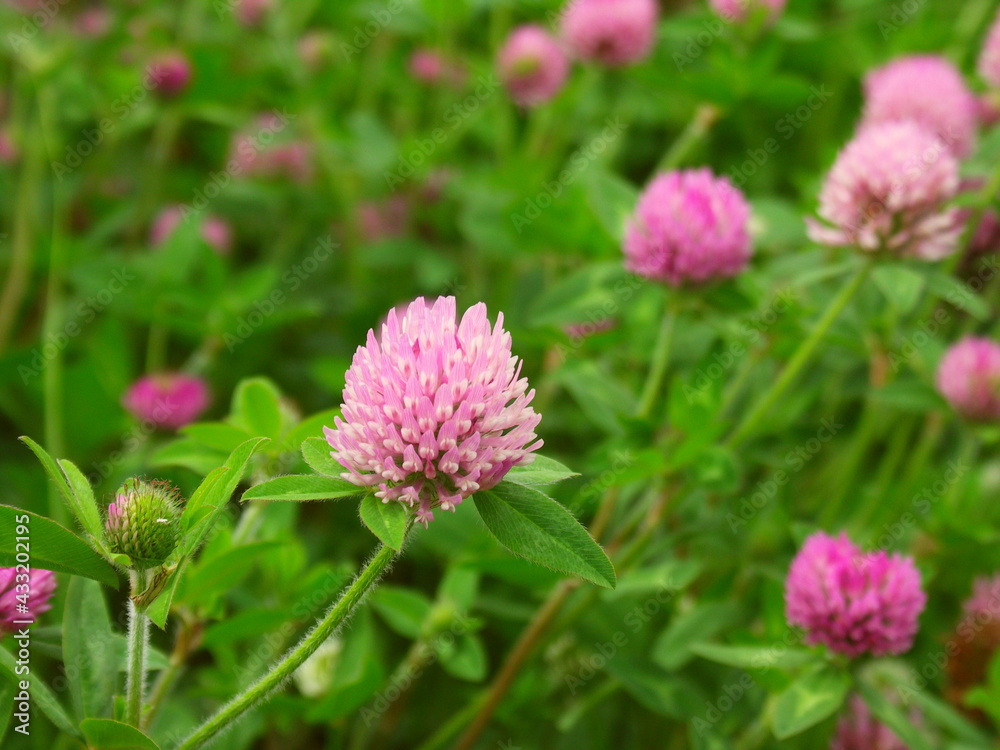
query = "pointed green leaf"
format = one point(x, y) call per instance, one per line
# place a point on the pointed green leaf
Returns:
point(458, 587)
point(107, 734)
point(672, 649)
point(463, 657)
point(316, 452)
point(200, 515)
point(197, 509)
point(51, 468)
point(403, 609)
point(755, 657)
point(257, 407)
point(534, 526)
point(387, 521)
point(302, 488)
point(79, 497)
point(88, 648)
point(52, 547)
point(41, 695)
point(542, 470)
point(219, 486)
point(87, 513)
point(814, 696)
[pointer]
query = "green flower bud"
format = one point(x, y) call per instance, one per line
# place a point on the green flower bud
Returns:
point(144, 522)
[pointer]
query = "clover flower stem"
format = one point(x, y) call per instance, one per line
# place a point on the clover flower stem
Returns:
point(54, 317)
point(800, 358)
point(138, 639)
point(544, 618)
point(889, 471)
point(25, 217)
point(458, 720)
point(164, 683)
point(967, 455)
point(164, 136)
point(157, 340)
point(658, 368)
point(282, 670)
point(869, 429)
point(515, 660)
point(700, 125)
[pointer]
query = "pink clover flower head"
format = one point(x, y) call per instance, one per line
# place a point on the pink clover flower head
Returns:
point(853, 602)
point(252, 13)
point(532, 65)
point(385, 219)
point(8, 149)
point(985, 599)
point(216, 232)
point(887, 192)
point(610, 32)
point(169, 74)
point(434, 409)
point(689, 227)
point(928, 90)
point(168, 400)
point(989, 56)
point(93, 22)
point(738, 11)
point(969, 378)
point(983, 606)
point(427, 66)
point(14, 609)
point(268, 152)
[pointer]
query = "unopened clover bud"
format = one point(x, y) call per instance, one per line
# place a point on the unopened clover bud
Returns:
point(144, 522)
